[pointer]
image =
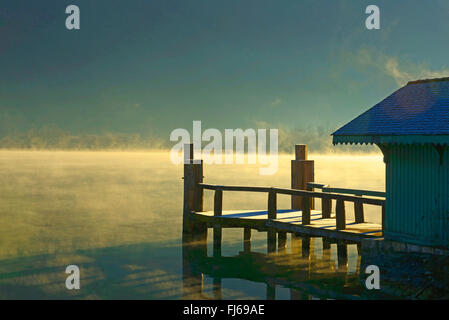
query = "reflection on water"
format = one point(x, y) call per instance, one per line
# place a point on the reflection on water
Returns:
point(118, 215)
point(305, 268)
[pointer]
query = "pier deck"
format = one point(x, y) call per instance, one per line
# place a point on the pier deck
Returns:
point(290, 221)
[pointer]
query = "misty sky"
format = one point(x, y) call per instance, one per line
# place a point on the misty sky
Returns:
point(152, 66)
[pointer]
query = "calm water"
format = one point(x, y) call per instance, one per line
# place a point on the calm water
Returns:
point(118, 216)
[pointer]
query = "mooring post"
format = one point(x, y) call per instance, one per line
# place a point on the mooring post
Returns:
point(218, 210)
point(193, 200)
point(247, 240)
point(302, 172)
point(272, 213)
point(193, 175)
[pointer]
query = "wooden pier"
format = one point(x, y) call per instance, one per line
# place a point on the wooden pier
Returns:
point(301, 219)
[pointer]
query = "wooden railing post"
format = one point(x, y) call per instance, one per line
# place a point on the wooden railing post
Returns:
point(218, 210)
point(326, 207)
point(340, 214)
point(218, 203)
point(302, 172)
point(305, 211)
point(272, 205)
point(358, 212)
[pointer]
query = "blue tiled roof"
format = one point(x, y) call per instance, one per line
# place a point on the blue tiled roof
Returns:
point(419, 108)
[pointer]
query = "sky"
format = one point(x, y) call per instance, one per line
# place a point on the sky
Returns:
point(150, 66)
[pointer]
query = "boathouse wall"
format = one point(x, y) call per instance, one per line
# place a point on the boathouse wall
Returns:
point(417, 194)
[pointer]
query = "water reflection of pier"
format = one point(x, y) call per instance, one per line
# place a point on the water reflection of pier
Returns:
point(312, 268)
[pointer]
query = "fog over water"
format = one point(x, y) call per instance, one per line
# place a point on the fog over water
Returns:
point(119, 215)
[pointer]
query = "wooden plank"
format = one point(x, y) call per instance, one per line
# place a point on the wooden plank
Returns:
point(235, 188)
point(340, 215)
point(358, 192)
point(311, 185)
point(289, 222)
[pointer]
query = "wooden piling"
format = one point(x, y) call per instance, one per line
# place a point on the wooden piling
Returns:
point(340, 215)
point(271, 290)
point(193, 201)
point(302, 172)
point(193, 175)
point(271, 241)
point(326, 244)
point(282, 241)
point(305, 246)
point(247, 240)
point(342, 254)
point(218, 210)
point(295, 243)
point(217, 288)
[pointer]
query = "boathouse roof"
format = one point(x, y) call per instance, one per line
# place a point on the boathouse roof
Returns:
point(416, 113)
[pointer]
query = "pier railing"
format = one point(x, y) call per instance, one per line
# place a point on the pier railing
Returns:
point(358, 206)
point(307, 196)
point(302, 192)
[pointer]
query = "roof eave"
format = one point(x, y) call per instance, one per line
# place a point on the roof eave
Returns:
point(391, 139)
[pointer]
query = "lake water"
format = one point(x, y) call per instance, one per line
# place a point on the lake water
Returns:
point(118, 216)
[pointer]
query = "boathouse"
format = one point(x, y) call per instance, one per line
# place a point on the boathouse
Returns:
point(411, 128)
